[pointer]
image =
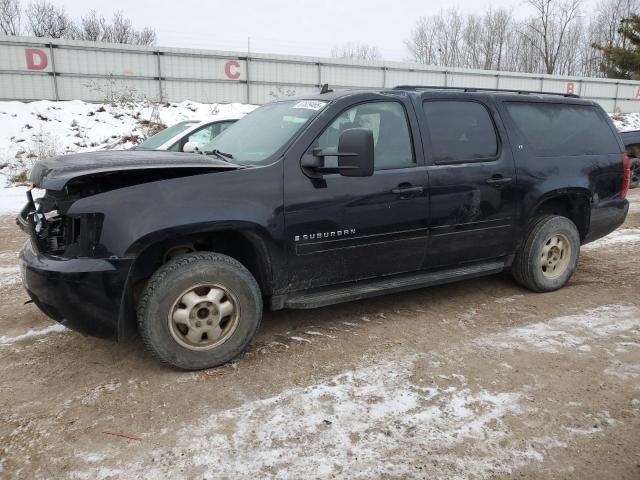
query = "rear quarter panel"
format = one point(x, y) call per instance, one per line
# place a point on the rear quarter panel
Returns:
point(539, 178)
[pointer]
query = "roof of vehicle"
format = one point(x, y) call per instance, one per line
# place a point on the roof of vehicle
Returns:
point(630, 137)
point(418, 90)
point(216, 118)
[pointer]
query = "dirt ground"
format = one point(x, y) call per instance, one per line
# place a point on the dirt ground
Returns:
point(479, 379)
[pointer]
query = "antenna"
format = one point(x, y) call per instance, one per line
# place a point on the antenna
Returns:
point(325, 89)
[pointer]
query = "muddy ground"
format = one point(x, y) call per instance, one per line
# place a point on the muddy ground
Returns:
point(479, 379)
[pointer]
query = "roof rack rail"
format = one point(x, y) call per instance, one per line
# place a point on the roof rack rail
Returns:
point(474, 89)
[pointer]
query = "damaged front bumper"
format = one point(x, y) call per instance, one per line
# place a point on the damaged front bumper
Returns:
point(84, 294)
point(62, 273)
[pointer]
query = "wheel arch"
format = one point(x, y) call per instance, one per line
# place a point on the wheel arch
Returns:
point(244, 242)
point(573, 203)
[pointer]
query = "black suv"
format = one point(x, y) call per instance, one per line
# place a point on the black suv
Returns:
point(317, 200)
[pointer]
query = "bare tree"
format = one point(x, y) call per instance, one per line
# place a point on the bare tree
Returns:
point(356, 51)
point(421, 44)
point(146, 36)
point(47, 20)
point(10, 17)
point(554, 39)
point(496, 35)
point(547, 29)
point(437, 40)
point(94, 27)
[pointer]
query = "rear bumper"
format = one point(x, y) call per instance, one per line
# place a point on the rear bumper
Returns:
point(606, 216)
point(84, 294)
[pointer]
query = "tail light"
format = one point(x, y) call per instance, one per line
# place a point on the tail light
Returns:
point(626, 172)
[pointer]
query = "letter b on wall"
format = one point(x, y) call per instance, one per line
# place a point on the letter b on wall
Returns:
point(36, 59)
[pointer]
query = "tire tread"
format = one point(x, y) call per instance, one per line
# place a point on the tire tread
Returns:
point(158, 278)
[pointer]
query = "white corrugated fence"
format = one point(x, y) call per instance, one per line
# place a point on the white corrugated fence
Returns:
point(36, 68)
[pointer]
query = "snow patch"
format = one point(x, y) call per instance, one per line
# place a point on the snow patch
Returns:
point(300, 339)
point(91, 397)
point(9, 276)
point(624, 236)
point(12, 199)
point(626, 121)
point(55, 328)
point(347, 423)
point(568, 332)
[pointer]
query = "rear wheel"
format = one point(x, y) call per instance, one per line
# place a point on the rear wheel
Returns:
point(199, 311)
point(549, 255)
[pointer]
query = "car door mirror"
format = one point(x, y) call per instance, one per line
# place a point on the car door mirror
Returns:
point(355, 155)
point(190, 147)
point(356, 152)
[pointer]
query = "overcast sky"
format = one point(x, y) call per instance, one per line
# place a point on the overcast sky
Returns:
point(300, 27)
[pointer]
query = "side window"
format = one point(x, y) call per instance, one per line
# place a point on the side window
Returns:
point(221, 127)
point(202, 136)
point(391, 136)
point(563, 129)
point(460, 131)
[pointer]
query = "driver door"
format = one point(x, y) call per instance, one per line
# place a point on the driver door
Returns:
point(341, 229)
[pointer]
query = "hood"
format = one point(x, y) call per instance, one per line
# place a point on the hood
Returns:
point(54, 173)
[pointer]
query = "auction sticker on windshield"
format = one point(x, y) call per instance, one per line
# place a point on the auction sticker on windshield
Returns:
point(310, 104)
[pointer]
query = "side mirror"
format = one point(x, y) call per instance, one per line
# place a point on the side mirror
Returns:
point(355, 152)
point(190, 147)
point(355, 155)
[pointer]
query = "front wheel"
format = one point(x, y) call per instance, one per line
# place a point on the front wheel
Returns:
point(549, 255)
point(199, 311)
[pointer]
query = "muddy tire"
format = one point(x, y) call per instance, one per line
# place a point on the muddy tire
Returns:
point(549, 255)
point(199, 311)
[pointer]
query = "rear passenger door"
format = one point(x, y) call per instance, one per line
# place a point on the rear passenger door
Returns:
point(471, 180)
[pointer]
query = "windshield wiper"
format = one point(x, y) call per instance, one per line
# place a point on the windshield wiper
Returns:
point(219, 154)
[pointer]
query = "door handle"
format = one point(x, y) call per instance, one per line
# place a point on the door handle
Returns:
point(499, 181)
point(408, 190)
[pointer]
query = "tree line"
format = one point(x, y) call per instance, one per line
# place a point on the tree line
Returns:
point(41, 18)
point(556, 37)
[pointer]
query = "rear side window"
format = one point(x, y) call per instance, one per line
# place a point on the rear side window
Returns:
point(556, 129)
point(460, 131)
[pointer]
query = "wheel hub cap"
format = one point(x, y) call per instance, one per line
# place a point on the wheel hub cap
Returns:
point(203, 317)
point(556, 255)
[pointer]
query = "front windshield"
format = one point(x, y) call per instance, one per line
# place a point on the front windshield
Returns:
point(165, 135)
point(257, 136)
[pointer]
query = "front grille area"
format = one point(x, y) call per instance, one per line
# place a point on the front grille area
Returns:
point(56, 233)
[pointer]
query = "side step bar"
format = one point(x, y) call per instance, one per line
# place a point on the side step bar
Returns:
point(381, 286)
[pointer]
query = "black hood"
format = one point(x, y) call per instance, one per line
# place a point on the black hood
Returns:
point(54, 173)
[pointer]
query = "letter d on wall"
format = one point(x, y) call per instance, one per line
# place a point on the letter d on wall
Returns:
point(36, 59)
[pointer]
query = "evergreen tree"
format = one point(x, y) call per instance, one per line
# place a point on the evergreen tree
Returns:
point(623, 61)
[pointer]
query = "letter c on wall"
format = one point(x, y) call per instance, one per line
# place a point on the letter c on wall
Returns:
point(231, 69)
point(36, 59)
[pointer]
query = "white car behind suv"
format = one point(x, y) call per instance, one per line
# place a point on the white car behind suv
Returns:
point(195, 133)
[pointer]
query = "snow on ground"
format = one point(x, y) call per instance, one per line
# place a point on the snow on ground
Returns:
point(341, 427)
point(626, 121)
point(12, 199)
point(345, 424)
point(572, 331)
point(9, 276)
point(45, 128)
point(620, 237)
point(57, 328)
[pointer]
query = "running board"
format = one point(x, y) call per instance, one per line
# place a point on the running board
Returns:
point(381, 286)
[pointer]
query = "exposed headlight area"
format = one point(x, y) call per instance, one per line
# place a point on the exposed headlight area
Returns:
point(55, 233)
